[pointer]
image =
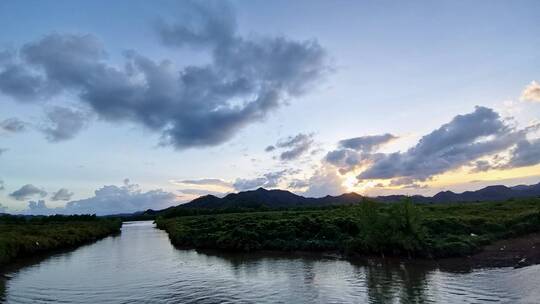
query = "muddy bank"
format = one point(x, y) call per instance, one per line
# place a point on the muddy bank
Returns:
point(515, 252)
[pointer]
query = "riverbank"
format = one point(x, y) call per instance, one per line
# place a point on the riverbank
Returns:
point(515, 252)
point(20, 237)
point(402, 229)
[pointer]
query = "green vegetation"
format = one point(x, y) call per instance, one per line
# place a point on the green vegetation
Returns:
point(404, 228)
point(23, 236)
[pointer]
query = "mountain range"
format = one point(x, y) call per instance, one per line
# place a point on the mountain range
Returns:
point(286, 199)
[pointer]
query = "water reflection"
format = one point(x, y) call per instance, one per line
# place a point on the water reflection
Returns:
point(142, 266)
point(405, 282)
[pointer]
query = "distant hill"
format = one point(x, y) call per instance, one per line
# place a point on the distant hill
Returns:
point(263, 198)
point(490, 193)
point(271, 199)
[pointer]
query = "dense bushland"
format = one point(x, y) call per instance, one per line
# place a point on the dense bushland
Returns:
point(369, 228)
point(23, 236)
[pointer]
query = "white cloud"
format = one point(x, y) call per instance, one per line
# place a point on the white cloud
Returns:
point(531, 92)
point(110, 199)
point(324, 182)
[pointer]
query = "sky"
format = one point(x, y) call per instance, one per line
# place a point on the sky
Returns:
point(113, 107)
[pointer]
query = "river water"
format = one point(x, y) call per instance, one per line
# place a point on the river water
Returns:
point(141, 266)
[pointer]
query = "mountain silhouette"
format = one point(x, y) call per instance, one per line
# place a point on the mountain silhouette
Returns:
point(269, 198)
point(490, 193)
point(263, 198)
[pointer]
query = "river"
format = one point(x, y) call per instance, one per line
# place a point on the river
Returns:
point(141, 266)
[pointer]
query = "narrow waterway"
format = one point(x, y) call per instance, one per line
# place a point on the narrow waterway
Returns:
point(141, 266)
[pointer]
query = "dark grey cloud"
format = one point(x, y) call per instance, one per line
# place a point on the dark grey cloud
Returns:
point(463, 140)
point(366, 143)
point(269, 148)
point(357, 151)
point(526, 153)
point(204, 182)
point(406, 182)
point(296, 146)
point(63, 123)
point(6, 56)
point(345, 159)
point(62, 194)
point(481, 166)
point(194, 106)
point(22, 84)
point(12, 125)
point(28, 191)
point(209, 24)
point(293, 146)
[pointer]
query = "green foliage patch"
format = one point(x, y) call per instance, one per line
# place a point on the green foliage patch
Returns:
point(404, 228)
point(20, 236)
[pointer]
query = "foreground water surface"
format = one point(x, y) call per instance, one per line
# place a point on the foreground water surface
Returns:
point(141, 265)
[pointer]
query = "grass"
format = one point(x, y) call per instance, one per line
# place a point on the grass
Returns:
point(21, 236)
point(402, 229)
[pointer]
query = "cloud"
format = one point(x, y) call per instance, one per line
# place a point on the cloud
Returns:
point(293, 146)
point(269, 148)
point(481, 166)
point(201, 192)
point(345, 159)
point(12, 125)
point(192, 106)
point(125, 199)
point(205, 182)
point(204, 25)
point(6, 56)
point(110, 200)
point(325, 182)
point(243, 184)
point(526, 153)
point(366, 143)
point(3, 209)
point(531, 92)
point(460, 142)
point(28, 191)
point(2, 185)
point(62, 194)
point(3, 150)
point(298, 184)
point(268, 180)
point(296, 146)
point(22, 84)
point(357, 151)
point(39, 208)
point(63, 123)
